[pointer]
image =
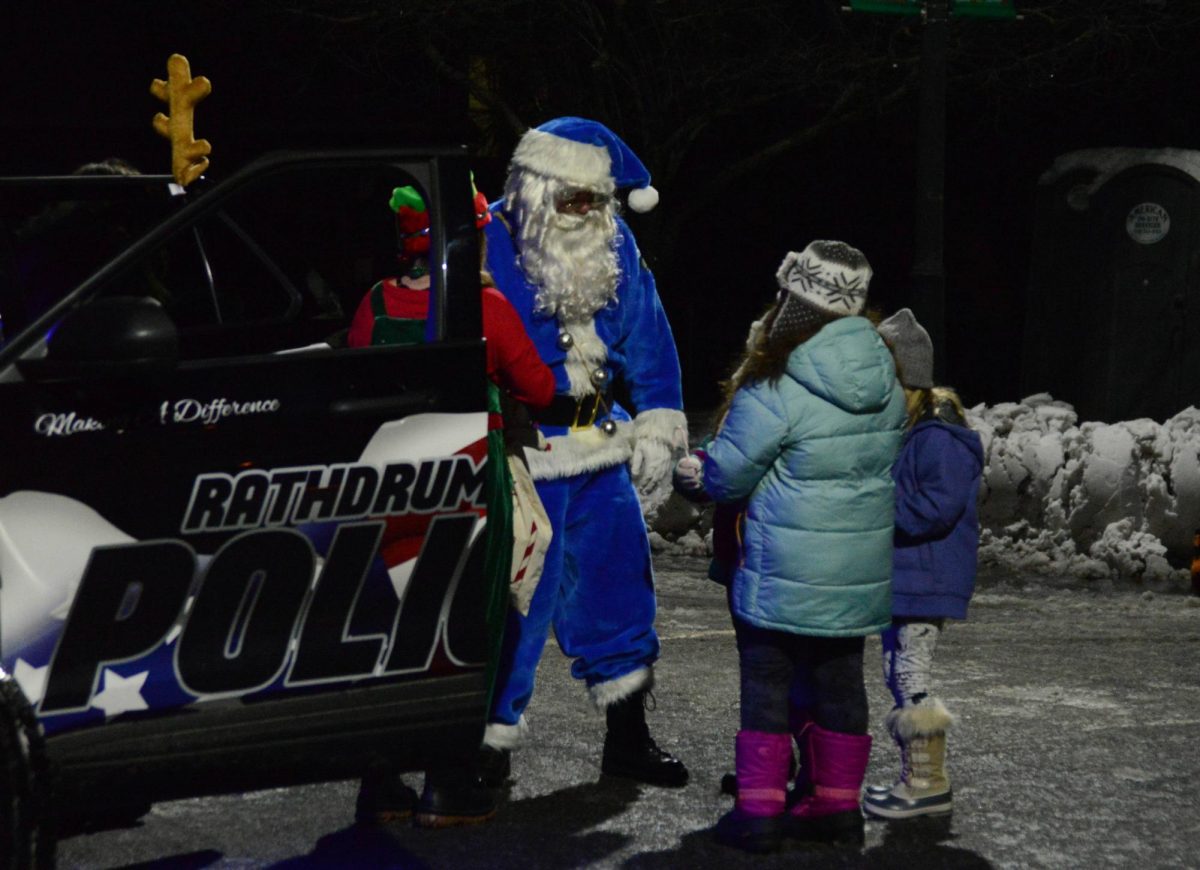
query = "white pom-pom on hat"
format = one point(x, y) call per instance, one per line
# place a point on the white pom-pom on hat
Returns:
point(642, 199)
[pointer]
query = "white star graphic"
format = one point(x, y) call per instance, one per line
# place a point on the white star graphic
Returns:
point(121, 694)
point(400, 575)
point(31, 680)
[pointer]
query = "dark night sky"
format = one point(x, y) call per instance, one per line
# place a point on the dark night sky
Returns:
point(74, 82)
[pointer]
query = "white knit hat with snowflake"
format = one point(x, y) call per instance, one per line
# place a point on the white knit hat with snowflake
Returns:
point(832, 277)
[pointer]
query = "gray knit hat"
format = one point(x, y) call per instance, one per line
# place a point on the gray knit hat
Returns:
point(830, 276)
point(912, 348)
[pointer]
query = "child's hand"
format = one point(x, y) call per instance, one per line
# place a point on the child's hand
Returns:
point(688, 478)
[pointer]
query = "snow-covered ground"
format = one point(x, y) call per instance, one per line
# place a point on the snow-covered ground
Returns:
point(1093, 501)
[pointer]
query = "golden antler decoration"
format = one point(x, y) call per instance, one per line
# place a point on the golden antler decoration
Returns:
point(181, 92)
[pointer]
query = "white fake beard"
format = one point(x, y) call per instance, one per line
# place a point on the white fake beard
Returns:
point(570, 258)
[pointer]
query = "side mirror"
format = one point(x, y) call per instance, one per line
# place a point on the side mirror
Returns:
point(113, 335)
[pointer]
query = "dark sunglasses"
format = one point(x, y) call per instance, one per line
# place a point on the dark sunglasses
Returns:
point(576, 201)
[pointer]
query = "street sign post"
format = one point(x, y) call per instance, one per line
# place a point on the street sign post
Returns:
point(928, 276)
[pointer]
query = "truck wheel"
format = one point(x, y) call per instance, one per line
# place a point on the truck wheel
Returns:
point(26, 831)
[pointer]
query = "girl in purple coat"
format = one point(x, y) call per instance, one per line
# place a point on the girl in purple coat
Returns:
point(936, 540)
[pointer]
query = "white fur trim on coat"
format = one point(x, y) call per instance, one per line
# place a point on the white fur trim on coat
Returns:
point(500, 736)
point(919, 720)
point(611, 691)
point(574, 162)
point(580, 452)
point(587, 354)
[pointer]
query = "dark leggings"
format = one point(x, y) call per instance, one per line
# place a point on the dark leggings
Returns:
point(821, 674)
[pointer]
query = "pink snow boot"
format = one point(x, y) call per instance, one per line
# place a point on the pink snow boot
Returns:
point(799, 718)
point(755, 822)
point(837, 763)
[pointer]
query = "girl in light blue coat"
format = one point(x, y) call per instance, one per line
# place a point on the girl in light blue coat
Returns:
point(814, 421)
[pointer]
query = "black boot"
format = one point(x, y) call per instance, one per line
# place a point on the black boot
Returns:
point(454, 796)
point(630, 751)
point(495, 765)
point(749, 833)
point(382, 798)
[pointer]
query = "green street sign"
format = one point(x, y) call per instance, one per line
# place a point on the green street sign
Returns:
point(983, 9)
point(897, 7)
point(958, 8)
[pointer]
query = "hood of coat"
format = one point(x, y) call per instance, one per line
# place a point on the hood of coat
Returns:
point(846, 364)
point(969, 438)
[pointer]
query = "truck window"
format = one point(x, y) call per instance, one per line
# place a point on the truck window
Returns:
point(283, 263)
point(280, 264)
point(55, 233)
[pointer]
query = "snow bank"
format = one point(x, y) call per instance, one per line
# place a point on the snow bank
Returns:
point(1058, 497)
point(1088, 500)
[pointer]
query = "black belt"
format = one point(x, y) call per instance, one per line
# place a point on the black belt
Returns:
point(569, 411)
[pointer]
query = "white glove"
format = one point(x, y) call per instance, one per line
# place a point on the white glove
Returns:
point(660, 437)
point(651, 464)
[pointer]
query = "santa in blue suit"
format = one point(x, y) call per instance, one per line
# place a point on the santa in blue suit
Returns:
point(562, 255)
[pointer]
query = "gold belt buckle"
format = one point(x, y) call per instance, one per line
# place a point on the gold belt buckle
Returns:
point(576, 426)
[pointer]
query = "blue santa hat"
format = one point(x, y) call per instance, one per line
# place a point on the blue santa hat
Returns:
point(588, 154)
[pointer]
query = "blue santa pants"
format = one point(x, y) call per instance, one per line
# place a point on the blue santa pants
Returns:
point(597, 588)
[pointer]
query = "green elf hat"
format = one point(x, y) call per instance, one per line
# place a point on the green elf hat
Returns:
point(412, 220)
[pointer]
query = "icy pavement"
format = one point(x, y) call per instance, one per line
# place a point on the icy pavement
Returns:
point(1076, 746)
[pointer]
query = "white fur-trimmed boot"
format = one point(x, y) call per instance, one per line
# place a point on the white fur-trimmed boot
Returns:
point(923, 789)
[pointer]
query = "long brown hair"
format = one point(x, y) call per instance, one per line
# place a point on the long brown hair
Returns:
point(485, 276)
point(766, 354)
